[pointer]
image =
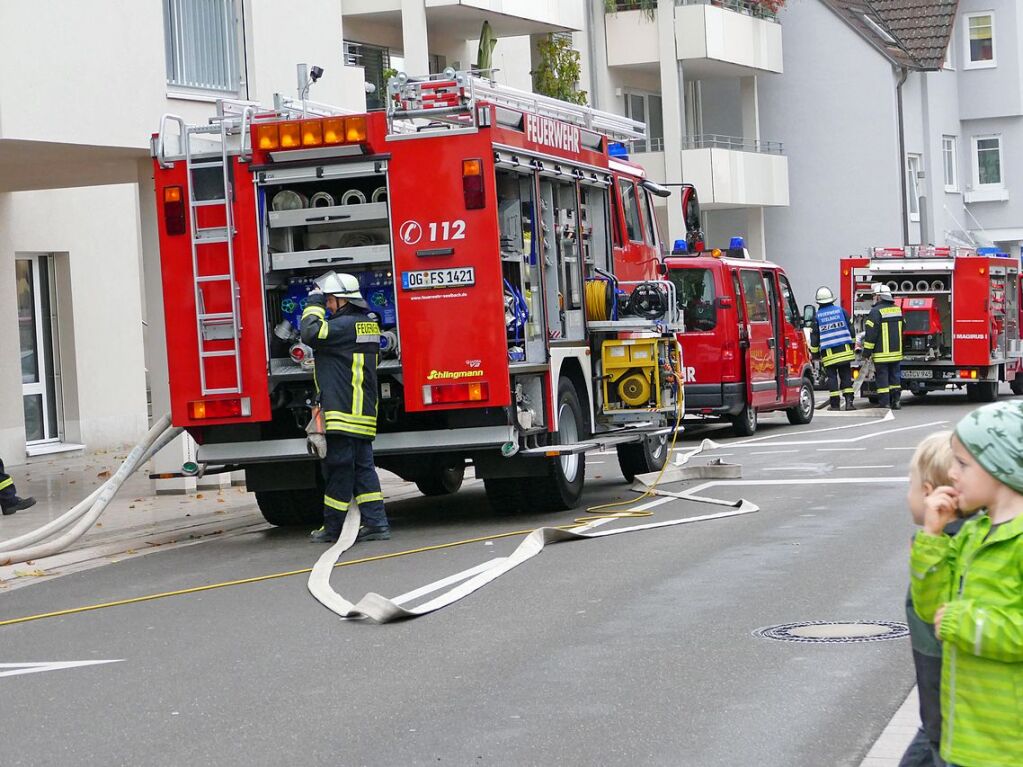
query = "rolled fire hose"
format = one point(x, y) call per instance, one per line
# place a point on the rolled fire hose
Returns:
point(379, 194)
point(85, 513)
point(322, 200)
point(937, 285)
point(384, 610)
point(287, 199)
point(906, 285)
point(892, 284)
point(923, 285)
point(353, 197)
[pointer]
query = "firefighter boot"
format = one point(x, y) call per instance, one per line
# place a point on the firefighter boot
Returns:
point(323, 535)
point(896, 395)
point(836, 403)
point(850, 402)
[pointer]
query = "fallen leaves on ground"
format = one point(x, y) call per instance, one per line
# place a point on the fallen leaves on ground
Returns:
point(33, 573)
point(104, 474)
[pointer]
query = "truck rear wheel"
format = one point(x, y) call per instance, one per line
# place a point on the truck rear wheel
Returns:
point(561, 487)
point(745, 423)
point(642, 457)
point(291, 508)
point(442, 479)
point(1016, 384)
point(987, 391)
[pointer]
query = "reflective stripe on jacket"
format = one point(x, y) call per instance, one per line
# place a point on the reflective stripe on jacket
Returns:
point(883, 337)
point(345, 366)
point(978, 574)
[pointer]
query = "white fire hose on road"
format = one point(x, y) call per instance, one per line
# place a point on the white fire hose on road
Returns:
point(79, 519)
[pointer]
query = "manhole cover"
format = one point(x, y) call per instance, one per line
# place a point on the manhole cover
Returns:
point(835, 631)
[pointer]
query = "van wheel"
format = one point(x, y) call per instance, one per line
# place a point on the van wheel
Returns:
point(291, 508)
point(561, 487)
point(803, 412)
point(442, 479)
point(745, 423)
point(1016, 384)
point(642, 457)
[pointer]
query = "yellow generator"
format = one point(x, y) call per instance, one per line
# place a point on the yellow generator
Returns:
point(639, 373)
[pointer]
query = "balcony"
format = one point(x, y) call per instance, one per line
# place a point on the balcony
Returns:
point(713, 38)
point(462, 19)
point(733, 172)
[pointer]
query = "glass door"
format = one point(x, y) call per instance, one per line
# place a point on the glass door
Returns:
point(38, 361)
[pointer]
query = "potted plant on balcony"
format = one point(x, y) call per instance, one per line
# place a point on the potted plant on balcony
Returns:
point(647, 6)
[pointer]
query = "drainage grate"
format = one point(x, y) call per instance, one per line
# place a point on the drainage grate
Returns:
point(821, 632)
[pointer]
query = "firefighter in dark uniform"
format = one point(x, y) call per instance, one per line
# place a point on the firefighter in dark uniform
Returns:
point(9, 500)
point(831, 340)
point(882, 342)
point(346, 344)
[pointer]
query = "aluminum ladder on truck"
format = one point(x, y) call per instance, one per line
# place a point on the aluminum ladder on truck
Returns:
point(220, 325)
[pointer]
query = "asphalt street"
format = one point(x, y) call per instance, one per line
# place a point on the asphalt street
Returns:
point(634, 649)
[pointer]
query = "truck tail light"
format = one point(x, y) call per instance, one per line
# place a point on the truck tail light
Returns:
point(355, 129)
point(291, 135)
point(312, 133)
point(472, 184)
point(972, 374)
point(237, 407)
point(441, 394)
point(267, 137)
point(174, 209)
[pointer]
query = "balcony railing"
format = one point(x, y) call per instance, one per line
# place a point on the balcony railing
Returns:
point(735, 143)
point(747, 7)
point(655, 144)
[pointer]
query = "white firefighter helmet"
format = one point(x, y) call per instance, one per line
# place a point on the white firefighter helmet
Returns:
point(341, 286)
point(882, 291)
point(824, 296)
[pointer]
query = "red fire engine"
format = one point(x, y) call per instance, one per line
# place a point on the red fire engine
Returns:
point(962, 315)
point(512, 260)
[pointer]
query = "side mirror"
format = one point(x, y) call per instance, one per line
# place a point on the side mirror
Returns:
point(662, 268)
point(809, 314)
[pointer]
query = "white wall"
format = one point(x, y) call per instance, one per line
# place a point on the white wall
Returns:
point(96, 230)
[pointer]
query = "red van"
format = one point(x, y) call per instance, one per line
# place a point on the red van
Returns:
point(743, 346)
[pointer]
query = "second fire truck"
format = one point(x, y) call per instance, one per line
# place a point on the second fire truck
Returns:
point(961, 310)
point(511, 258)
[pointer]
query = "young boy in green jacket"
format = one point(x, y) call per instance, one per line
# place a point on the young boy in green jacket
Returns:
point(971, 588)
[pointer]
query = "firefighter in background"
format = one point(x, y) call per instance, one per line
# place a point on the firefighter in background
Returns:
point(346, 344)
point(9, 500)
point(882, 342)
point(831, 340)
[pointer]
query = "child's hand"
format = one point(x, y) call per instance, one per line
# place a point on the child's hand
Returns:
point(937, 619)
point(940, 509)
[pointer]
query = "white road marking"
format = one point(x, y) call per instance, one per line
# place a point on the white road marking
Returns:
point(900, 448)
point(839, 449)
point(883, 466)
point(849, 439)
point(16, 669)
point(821, 481)
point(784, 468)
point(771, 452)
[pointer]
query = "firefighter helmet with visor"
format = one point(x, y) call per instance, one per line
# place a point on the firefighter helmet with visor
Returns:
point(341, 286)
point(825, 296)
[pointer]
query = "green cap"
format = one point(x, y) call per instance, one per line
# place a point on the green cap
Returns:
point(993, 435)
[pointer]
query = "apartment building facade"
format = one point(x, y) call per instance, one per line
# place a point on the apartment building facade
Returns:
point(84, 87)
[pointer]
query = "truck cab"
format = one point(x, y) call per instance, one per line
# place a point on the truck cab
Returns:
point(743, 345)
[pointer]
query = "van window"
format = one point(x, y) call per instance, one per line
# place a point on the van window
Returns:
point(651, 222)
point(631, 207)
point(694, 289)
point(791, 307)
point(755, 296)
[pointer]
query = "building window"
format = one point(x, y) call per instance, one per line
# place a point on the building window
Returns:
point(376, 62)
point(988, 168)
point(980, 40)
point(950, 160)
point(646, 108)
point(913, 164)
point(201, 41)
